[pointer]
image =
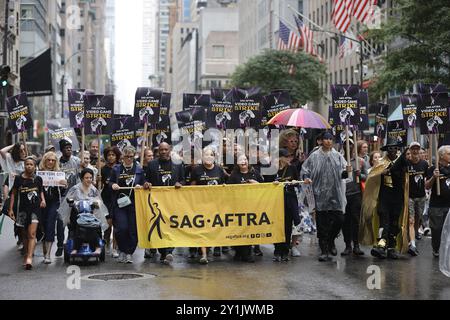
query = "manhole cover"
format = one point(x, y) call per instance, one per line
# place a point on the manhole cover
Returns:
point(118, 276)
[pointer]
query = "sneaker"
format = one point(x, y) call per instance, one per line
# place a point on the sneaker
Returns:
point(59, 252)
point(128, 258)
point(225, 249)
point(379, 252)
point(47, 261)
point(168, 259)
point(203, 260)
point(426, 232)
point(20, 247)
point(284, 258)
point(357, 251)
point(257, 251)
point(122, 258)
point(324, 257)
point(115, 254)
point(412, 250)
point(295, 252)
point(436, 254)
point(347, 251)
point(392, 254)
point(418, 236)
point(217, 252)
point(276, 258)
point(149, 254)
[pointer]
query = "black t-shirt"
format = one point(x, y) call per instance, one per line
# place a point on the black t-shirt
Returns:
point(237, 177)
point(417, 174)
point(442, 201)
point(205, 177)
point(29, 193)
point(188, 173)
point(164, 173)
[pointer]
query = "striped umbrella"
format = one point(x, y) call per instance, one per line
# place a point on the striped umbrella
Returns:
point(301, 118)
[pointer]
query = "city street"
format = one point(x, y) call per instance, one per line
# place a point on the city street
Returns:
point(223, 279)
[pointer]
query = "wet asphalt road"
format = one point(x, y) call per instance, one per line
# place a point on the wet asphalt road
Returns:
point(223, 279)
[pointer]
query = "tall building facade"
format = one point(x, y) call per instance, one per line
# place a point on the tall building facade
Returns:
point(11, 59)
point(149, 43)
point(110, 45)
point(162, 33)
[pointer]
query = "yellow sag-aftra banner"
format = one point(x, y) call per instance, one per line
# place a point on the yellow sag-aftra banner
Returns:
point(210, 216)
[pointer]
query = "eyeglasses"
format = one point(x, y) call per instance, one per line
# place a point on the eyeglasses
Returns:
point(128, 157)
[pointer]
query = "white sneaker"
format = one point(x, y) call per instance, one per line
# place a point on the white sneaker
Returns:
point(168, 260)
point(128, 258)
point(122, 258)
point(295, 252)
point(115, 254)
point(47, 261)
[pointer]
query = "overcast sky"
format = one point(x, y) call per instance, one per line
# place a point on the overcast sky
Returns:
point(128, 51)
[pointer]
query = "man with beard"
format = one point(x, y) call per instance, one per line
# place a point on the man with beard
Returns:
point(325, 170)
point(164, 172)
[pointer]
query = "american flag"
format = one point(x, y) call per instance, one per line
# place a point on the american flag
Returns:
point(288, 40)
point(307, 37)
point(363, 10)
point(342, 12)
point(347, 46)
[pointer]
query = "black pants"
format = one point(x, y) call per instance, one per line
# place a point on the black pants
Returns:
point(243, 251)
point(437, 219)
point(329, 224)
point(87, 235)
point(350, 228)
point(290, 211)
point(389, 212)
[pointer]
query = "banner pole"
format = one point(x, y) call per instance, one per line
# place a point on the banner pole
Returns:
point(83, 141)
point(438, 184)
point(143, 143)
point(355, 149)
point(25, 143)
point(347, 149)
point(99, 164)
point(414, 134)
point(150, 139)
point(430, 150)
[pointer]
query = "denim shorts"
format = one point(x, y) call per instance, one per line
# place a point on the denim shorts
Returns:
point(21, 219)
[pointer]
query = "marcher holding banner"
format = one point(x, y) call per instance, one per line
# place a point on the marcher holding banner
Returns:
point(286, 173)
point(53, 196)
point(243, 173)
point(163, 172)
point(128, 175)
point(325, 169)
point(208, 174)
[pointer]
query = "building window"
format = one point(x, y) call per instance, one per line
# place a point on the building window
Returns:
point(340, 76)
point(352, 71)
point(321, 15)
point(346, 75)
point(218, 52)
point(27, 13)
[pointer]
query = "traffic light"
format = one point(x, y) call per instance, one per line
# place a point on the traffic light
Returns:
point(4, 75)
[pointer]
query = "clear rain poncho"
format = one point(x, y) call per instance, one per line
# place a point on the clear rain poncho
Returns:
point(76, 193)
point(444, 254)
point(325, 170)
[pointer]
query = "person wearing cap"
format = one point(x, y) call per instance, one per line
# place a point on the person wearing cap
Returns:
point(70, 165)
point(384, 204)
point(417, 170)
point(353, 193)
point(325, 170)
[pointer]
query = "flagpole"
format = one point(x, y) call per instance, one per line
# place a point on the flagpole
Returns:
point(331, 32)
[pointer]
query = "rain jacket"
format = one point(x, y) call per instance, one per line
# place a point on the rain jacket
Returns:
point(326, 169)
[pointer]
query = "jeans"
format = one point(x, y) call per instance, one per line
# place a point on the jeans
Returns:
point(50, 216)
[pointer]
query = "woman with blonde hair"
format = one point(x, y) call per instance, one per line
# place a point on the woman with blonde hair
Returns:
point(52, 196)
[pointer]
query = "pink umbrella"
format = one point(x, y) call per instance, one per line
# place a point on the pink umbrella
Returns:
point(300, 118)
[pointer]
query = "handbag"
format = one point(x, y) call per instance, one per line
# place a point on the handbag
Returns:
point(124, 200)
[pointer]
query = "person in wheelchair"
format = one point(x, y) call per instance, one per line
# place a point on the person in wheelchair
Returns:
point(84, 213)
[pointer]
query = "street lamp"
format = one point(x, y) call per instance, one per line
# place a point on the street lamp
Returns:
point(64, 77)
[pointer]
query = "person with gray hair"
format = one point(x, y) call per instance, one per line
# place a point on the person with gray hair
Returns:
point(130, 175)
point(439, 204)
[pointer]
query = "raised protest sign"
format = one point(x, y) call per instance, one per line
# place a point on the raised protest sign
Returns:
point(192, 100)
point(409, 107)
point(99, 114)
point(433, 113)
point(51, 178)
point(345, 104)
point(123, 134)
point(147, 106)
point(64, 134)
point(247, 111)
point(220, 110)
point(19, 113)
point(381, 120)
point(397, 132)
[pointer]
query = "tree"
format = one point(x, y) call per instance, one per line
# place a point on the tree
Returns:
point(418, 37)
point(298, 72)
